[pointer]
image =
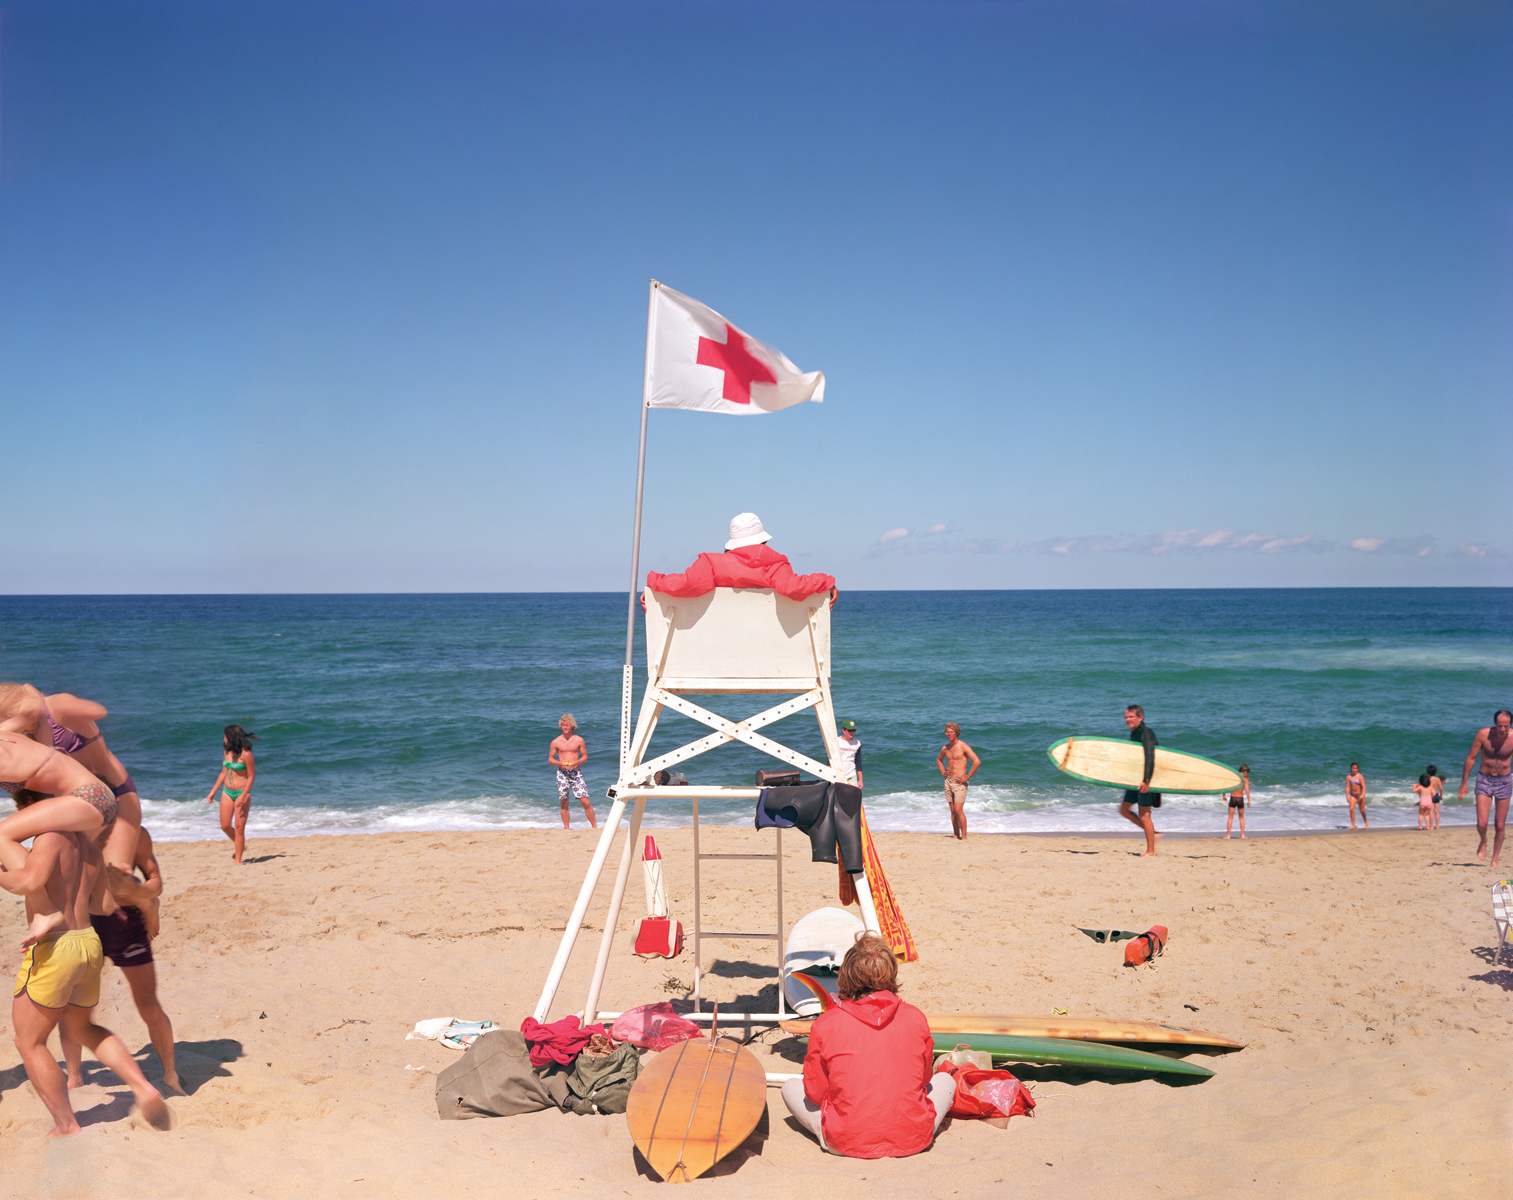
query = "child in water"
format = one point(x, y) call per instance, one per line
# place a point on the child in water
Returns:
point(1424, 789)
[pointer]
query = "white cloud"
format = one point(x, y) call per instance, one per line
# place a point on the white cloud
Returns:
point(893, 535)
point(1367, 545)
point(1472, 551)
point(938, 529)
point(1426, 552)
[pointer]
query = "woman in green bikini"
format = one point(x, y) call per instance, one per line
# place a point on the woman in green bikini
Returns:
point(238, 769)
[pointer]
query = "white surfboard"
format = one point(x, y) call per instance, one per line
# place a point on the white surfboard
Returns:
point(816, 947)
point(1119, 762)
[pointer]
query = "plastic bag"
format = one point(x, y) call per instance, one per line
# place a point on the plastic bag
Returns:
point(968, 1103)
point(1002, 1094)
point(653, 1027)
point(964, 1056)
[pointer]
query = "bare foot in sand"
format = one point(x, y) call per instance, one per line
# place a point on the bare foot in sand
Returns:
point(154, 1113)
point(171, 1082)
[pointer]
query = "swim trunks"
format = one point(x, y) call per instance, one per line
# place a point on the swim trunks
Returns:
point(1233, 803)
point(1498, 787)
point(572, 779)
point(63, 968)
point(123, 936)
point(956, 793)
point(1143, 799)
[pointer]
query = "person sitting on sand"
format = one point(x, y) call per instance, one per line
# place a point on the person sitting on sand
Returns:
point(568, 753)
point(748, 562)
point(868, 1090)
point(239, 767)
point(58, 984)
point(1238, 800)
point(1424, 790)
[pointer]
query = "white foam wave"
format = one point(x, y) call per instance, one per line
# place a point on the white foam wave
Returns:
point(990, 809)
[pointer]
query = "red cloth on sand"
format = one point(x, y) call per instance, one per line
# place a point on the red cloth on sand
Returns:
point(745, 567)
point(868, 1068)
point(558, 1042)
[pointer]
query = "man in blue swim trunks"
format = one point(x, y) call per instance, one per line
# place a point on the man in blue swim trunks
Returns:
point(1494, 783)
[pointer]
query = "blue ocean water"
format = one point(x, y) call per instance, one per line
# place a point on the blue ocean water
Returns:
point(434, 712)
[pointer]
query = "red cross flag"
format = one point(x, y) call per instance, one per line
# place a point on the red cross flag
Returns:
point(700, 360)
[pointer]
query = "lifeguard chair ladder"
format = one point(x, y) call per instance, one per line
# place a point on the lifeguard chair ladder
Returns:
point(728, 641)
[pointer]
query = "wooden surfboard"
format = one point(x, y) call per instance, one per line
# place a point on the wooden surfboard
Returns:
point(1119, 762)
point(1086, 1029)
point(693, 1104)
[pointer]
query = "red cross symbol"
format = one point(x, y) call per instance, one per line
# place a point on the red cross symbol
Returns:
point(732, 357)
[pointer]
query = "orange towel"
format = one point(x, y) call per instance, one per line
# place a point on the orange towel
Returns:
point(889, 917)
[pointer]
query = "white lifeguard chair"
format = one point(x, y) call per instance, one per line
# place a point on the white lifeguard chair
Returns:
point(728, 641)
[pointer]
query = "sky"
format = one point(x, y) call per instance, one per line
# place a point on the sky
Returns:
point(351, 297)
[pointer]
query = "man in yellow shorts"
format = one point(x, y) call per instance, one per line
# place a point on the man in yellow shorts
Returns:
point(59, 979)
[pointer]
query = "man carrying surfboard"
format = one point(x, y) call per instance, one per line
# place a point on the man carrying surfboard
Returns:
point(1494, 782)
point(1144, 798)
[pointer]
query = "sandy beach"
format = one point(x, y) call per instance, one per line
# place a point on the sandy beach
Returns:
point(1358, 969)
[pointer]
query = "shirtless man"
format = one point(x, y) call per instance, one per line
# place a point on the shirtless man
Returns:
point(1495, 780)
point(59, 980)
point(952, 762)
point(126, 935)
point(1355, 794)
point(568, 753)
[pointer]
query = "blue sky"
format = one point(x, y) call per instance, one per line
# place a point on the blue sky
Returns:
point(327, 296)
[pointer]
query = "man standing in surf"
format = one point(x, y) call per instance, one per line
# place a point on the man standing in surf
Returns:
point(1143, 798)
point(1494, 782)
point(952, 761)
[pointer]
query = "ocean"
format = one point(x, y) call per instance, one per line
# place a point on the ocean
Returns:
point(434, 712)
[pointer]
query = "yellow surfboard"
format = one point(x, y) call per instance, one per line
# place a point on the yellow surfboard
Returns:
point(1082, 1029)
point(1120, 763)
point(693, 1104)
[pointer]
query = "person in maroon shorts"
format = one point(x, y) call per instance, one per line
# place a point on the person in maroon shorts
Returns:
point(126, 934)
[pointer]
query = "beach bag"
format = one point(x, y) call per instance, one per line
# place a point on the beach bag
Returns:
point(988, 1094)
point(653, 1027)
point(659, 937)
point(601, 1083)
point(493, 1078)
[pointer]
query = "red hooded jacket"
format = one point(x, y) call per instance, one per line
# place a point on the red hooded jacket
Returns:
point(868, 1069)
point(744, 567)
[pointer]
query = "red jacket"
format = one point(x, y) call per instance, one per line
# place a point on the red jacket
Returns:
point(745, 567)
point(868, 1068)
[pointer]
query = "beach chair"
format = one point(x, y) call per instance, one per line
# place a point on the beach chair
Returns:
point(1502, 911)
point(731, 641)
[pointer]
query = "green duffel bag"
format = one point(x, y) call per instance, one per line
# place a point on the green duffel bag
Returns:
point(600, 1083)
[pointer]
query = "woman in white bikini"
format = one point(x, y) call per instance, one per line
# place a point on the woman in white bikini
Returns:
point(238, 770)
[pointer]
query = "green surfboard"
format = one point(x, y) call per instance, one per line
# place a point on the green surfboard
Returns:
point(1064, 1053)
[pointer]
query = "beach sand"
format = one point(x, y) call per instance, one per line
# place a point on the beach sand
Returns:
point(1359, 970)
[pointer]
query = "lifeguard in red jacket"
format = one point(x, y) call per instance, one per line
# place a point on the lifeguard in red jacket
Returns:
point(868, 1089)
point(748, 562)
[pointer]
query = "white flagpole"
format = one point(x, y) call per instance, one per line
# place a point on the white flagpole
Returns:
point(635, 544)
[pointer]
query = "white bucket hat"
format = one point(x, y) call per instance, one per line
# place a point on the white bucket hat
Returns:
point(746, 530)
